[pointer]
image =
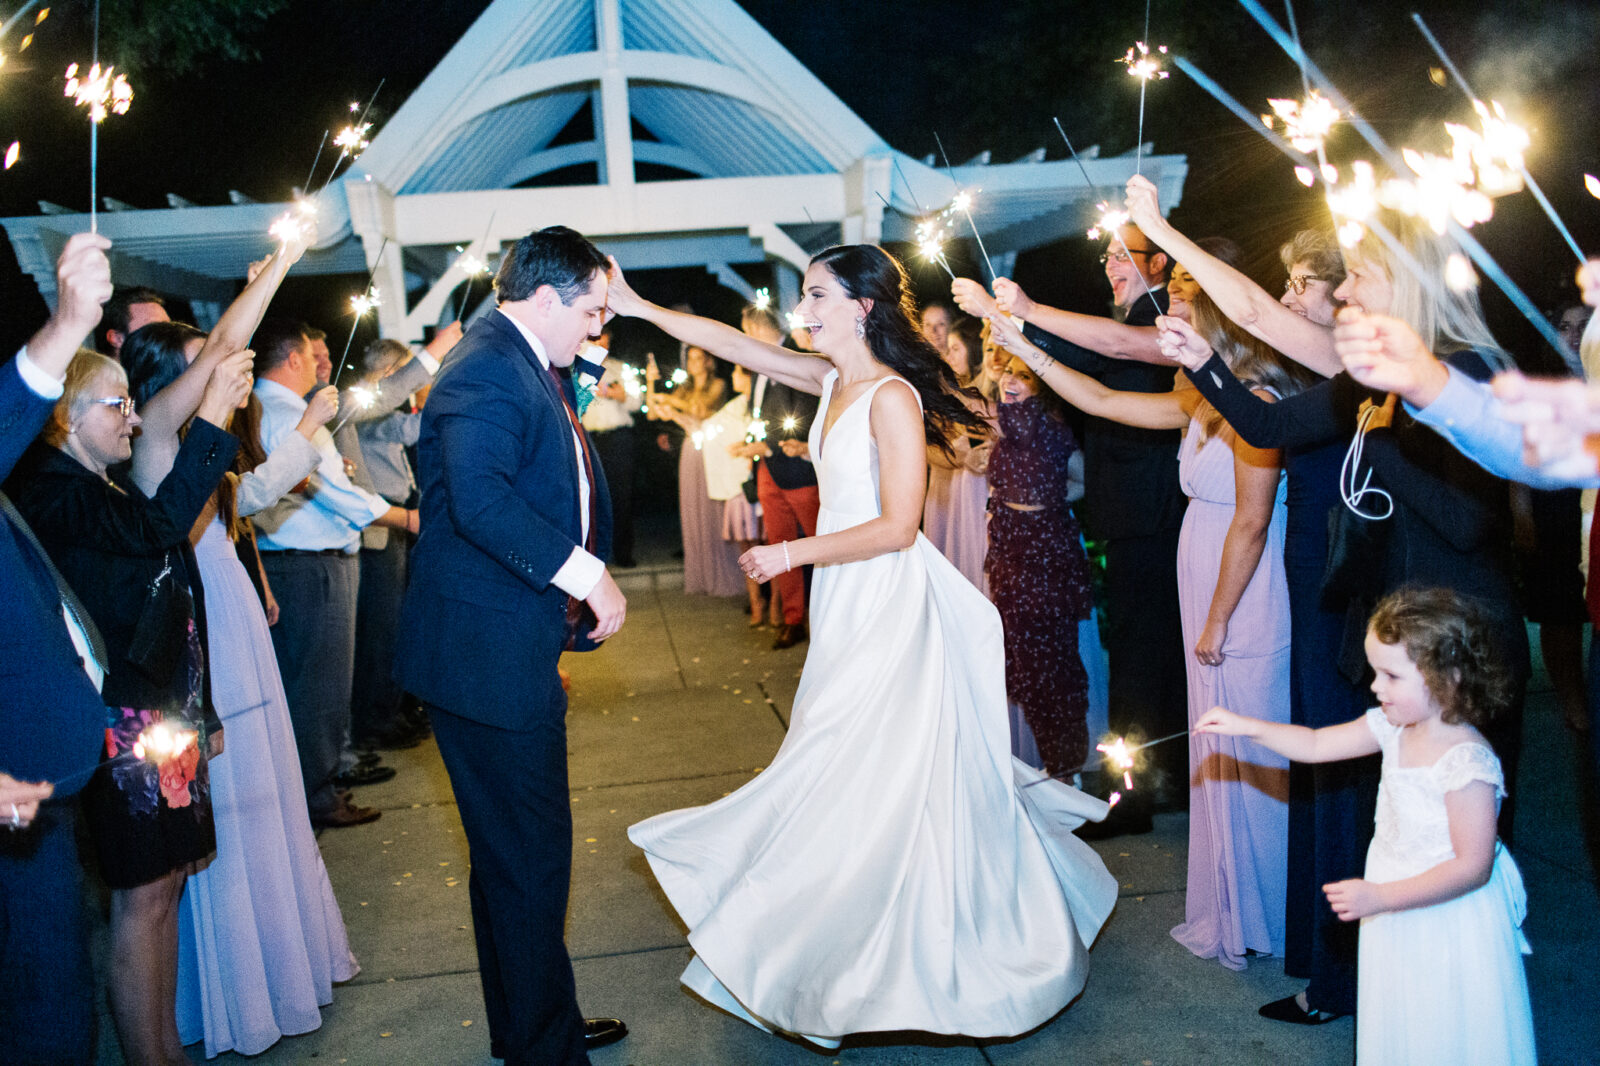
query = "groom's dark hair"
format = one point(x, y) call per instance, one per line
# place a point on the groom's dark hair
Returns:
point(556, 256)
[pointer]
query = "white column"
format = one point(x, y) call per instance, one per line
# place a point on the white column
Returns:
point(615, 118)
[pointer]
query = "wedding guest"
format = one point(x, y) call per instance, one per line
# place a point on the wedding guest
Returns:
point(609, 422)
point(1038, 573)
point(125, 312)
point(261, 938)
point(1331, 805)
point(729, 472)
point(1132, 504)
point(1428, 515)
point(955, 516)
point(308, 543)
point(935, 321)
point(709, 567)
point(786, 479)
point(50, 675)
point(127, 556)
point(1236, 621)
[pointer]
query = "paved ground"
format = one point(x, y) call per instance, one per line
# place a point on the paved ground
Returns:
point(683, 707)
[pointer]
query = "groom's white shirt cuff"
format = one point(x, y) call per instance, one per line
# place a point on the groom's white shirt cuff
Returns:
point(582, 571)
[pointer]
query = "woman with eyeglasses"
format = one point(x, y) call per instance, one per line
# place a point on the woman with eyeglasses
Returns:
point(127, 557)
point(1418, 512)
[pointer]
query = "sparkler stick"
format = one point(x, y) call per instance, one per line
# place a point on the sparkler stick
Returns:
point(483, 242)
point(1119, 753)
point(362, 398)
point(1483, 260)
point(361, 305)
point(1527, 178)
point(907, 181)
point(315, 160)
point(1107, 214)
point(963, 203)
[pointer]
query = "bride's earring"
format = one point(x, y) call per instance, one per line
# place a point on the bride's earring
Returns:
point(861, 328)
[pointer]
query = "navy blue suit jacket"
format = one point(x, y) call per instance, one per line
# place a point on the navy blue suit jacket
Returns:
point(54, 721)
point(482, 625)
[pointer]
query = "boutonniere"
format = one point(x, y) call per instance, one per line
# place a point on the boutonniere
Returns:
point(584, 390)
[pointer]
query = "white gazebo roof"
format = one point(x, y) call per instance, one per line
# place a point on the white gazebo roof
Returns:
point(778, 165)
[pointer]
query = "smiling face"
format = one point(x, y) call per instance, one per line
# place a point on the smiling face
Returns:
point(1366, 286)
point(1132, 263)
point(828, 310)
point(102, 435)
point(1400, 687)
point(323, 359)
point(564, 328)
point(1316, 302)
point(1017, 383)
point(1181, 291)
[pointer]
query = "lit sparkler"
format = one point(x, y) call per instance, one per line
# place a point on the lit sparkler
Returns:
point(160, 743)
point(1120, 756)
point(352, 139)
point(679, 376)
point(1110, 220)
point(1144, 64)
point(1592, 183)
point(12, 153)
point(790, 423)
point(103, 91)
point(931, 235)
point(360, 305)
point(362, 397)
point(763, 300)
point(1306, 123)
point(756, 430)
point(296, 226)
point(798, 321)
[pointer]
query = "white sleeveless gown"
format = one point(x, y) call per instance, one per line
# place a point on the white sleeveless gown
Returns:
point(889, 870)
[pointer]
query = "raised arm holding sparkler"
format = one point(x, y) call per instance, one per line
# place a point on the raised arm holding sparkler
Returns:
point(1105, 336)
point(1241, 299)
point(803, 372)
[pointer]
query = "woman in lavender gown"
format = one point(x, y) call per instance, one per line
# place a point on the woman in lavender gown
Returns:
point(261, 939)
point(955, 516)
point(1234, 605)
point(710, 564)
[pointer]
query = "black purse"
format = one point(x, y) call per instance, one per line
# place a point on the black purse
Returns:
point(161, 634)
point(1354, 567)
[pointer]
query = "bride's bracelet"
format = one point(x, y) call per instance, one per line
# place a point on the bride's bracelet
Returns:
point(787, 566)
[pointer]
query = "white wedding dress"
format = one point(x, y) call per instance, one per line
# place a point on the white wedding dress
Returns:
point(894, 868)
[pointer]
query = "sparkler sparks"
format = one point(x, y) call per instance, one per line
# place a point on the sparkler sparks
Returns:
point(1306, 123)
point(1592, 183)
point(798, 321)
point(1120, 756)
point(297, 226)
point(763, 299)
point(931, 235)
point(1110, 220)
point(1144, 64)
point(1458, 273)
point(756, 430)
point(103, 91)
point(160, 743)
point(790, 423)
point(12, 153)
point(470, 264)
point(365, 302)
point(353, 139)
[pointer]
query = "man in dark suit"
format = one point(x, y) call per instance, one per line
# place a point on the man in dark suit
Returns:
point(50, 704)
point(1132, 503)
point(507, 573)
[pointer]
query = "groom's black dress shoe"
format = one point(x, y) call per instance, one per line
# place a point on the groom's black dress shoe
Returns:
point(597, 1032)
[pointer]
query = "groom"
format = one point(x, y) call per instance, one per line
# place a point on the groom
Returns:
point(508, 572)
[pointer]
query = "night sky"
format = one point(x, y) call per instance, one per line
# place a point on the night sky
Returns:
point(909, 68)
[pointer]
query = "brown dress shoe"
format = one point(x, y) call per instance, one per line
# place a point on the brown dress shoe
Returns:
point(790, 635)
point(346, 815)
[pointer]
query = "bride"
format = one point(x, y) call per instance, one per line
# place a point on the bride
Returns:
point(893, 868)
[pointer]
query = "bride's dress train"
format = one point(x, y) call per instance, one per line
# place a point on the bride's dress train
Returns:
point(893, 868)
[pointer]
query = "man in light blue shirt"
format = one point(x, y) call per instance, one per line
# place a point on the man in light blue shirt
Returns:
point(309, 542)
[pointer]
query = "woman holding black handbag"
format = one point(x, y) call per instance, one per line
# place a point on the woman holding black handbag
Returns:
point(127, 556)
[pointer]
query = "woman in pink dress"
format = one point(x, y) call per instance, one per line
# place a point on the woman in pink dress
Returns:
point(1234, 603)
point(955, 515)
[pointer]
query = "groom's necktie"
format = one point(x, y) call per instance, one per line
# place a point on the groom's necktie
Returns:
point(575, 606)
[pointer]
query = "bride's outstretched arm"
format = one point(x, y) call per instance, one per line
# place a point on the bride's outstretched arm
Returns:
point(902, 482)
point(803, 372)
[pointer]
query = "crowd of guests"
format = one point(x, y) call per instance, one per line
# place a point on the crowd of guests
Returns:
point(205, 546)
point(203, 565)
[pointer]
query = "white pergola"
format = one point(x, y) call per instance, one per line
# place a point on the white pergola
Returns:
point(779, 168)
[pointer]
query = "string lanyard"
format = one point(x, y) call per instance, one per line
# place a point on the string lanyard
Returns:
point(1349, 470)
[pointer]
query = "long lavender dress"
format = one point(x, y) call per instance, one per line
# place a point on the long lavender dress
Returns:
point(710, 564)
point(955, 519)
point(1238, 790)
point(260, 938)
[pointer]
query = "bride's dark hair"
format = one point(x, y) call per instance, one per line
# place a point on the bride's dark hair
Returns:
point(867, 272)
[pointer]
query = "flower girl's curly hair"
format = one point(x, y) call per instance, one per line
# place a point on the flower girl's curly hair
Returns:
point(1449, 637)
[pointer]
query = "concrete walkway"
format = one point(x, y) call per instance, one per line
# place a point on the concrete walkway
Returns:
point(683, 707)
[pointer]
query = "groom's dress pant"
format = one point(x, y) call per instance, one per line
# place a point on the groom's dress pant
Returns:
point(511, 789)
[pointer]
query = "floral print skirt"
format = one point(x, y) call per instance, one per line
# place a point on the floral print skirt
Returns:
point(149, 803)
